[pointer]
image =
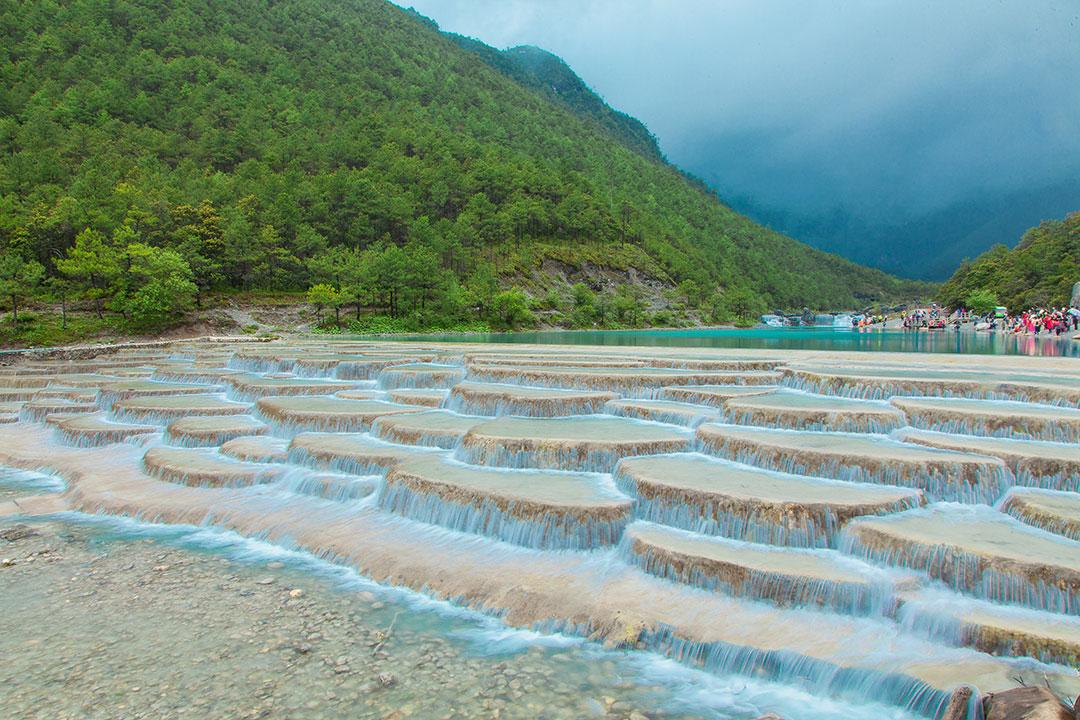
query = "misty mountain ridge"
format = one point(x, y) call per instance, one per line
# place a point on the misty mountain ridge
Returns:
point(929, 246)
point(926, 245)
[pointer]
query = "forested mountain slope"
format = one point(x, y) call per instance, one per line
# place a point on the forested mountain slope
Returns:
point(1039, 272)
point(272, 145)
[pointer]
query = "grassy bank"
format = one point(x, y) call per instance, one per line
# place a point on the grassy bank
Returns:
point(47, 328)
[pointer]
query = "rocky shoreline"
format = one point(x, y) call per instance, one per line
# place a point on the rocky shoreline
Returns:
point(95, 628)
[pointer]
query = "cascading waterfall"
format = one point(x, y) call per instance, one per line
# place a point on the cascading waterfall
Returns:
point(437, 428)
point(512, 522)
point(789, 668)
point(260, 364)
point(38, 410)
point(884, 388)
point(1053, 511)
point(813, 421)
point(873, 597)
point(212, 431)
point(1037, 583)
point(163, 410)
point(302, 456)
point(859, 384)
point(811, 525)
point(338, 488)
point(566, 498)
point(176, 375)
point(494, 404)
point(950, 481)
point(198, 467)
point(592, 443)
point(477, 451)
point(1011, 630)
point(1003, 419)
point(97, 431)
point(690, 416)
point(420, 376)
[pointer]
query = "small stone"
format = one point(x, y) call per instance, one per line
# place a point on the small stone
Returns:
point(161, 568)
point(959, 702)
point(265, 581)
point(275, 565)
point(18, 532)
point(296, 593)
point(342, 669)
point(386, 679)
point(7, 562)
point(377, 605)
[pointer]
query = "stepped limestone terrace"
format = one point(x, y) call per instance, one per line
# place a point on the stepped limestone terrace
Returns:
point(868, 528)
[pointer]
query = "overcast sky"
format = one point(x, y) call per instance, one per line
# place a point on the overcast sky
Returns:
point(885, 107)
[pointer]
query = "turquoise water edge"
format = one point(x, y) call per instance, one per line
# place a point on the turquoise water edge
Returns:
point(947, 341)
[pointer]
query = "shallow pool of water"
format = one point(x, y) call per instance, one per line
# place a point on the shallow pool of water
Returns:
point(312, 657)
point(947, 341)
point(18, 483)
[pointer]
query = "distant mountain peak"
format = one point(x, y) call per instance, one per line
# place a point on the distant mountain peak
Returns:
point(540, 69)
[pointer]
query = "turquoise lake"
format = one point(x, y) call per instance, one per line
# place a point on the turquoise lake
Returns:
point(787, 339)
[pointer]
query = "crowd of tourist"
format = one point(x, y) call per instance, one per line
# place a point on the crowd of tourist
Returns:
point(1052, 321)
point(865, 321)
point(931, 318)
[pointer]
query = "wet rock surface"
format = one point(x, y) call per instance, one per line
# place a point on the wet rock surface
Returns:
point(1026, 703)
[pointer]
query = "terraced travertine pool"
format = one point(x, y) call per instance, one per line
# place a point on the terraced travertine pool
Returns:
point(876, 533)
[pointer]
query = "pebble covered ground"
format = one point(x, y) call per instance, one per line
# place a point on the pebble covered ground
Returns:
point(103, 628)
